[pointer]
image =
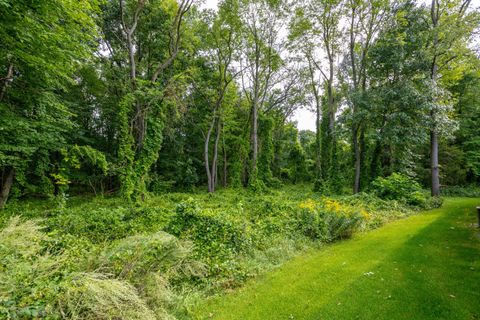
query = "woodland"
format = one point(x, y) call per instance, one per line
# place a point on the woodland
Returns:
point(150, 153)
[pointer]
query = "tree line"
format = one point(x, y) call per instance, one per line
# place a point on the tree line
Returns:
point(141, 96)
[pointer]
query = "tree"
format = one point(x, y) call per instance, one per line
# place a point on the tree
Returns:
point(451, 26)
point(260, 59)
point(43, 44)
point(367, 19)
point(317, 32)
point(223, 40)
point(397, 99)
point(303, 43)
point(152, 34)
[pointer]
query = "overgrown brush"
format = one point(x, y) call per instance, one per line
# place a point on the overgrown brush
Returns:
point(30, 278)
point(399, 187)
point(105, 260)
point(134, 257)
point(130, 282)
point(107, 224)
point(327, 220)
point(471, 191)
point(89, 296)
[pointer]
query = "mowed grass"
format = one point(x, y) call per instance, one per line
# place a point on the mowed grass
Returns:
point(423, 267)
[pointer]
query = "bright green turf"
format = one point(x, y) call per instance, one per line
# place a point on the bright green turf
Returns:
point(423, 267)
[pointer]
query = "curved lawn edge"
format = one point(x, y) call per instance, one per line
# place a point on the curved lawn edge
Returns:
point(422, 267)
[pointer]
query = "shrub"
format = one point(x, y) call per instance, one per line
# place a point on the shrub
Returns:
point(213, 233)
point(376, 211)
point(458, 191)
point(29, 280)
point(326, 221)
point(433, 203)
point(134, 257)
point(104, 224)
point(399, 187)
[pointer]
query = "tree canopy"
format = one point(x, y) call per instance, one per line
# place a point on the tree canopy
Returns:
point(136, 97)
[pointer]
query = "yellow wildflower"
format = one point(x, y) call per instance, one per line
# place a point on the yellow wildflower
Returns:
point(308, 204)
point(333, 205)
point(365, 214)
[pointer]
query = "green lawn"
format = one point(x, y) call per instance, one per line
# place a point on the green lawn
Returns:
point(423, 267)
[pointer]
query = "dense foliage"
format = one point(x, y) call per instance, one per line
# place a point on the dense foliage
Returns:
point(116, 117)
point(141, 97)
point(101, 259)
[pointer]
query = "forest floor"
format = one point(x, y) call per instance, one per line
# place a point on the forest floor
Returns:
point(424, 267)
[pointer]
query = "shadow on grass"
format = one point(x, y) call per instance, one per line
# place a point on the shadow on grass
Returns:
point(424, 267)
point(433, 275)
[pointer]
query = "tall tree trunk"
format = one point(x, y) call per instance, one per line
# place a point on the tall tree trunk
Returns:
point(7, 181)
point(254, 136)
point(318, 141)
point(224, 150)
point(255, 102)
point(318, 120)
point(355, 127)
point(356, 150)
point(206, 152)
point(434, 168)
point(215, 157)
point(331, 118)
point(434, 163)
point(331, 109)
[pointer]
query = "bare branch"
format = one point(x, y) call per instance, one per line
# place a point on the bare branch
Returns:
point(175, 37)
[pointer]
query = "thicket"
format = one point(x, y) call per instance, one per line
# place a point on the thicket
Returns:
point(103, 258)
point(143, 97)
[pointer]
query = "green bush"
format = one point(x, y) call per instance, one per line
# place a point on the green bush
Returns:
point(29, 280)
point(92, 296)
point(399, 187)
point(320, 222)
point(458, 191)
point(107, 224)
point(213, 233)
point(433, 202)
point(326, 226)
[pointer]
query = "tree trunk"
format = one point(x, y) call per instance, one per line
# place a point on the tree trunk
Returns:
point(215, 157)
point(331, 109)
point(434, 163)
point(254, 136)
point(434, 169)
point(318, 121)
point(356, 150)
point(224, 180)
point(206, 154)
point(6, 81)
point(318, 141)
point(255, 102)
point(7, 182)
point(224, 150)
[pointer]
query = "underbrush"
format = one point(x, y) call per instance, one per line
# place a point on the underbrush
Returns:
point(103, 259)
point(458, 191)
